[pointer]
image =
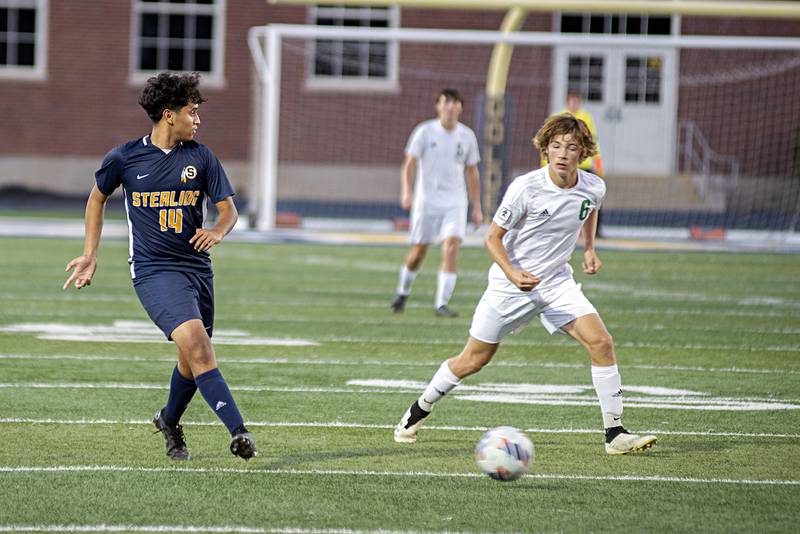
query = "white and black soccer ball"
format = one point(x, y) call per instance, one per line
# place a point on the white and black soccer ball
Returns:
point(504, 453)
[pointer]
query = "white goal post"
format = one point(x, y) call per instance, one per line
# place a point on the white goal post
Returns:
point(266, 44)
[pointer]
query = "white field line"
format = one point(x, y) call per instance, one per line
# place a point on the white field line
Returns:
point(363, 473)
point(350, 321)
point(143, 331)
point(608, 308)
point(187, 528)
point(389, 389)
point(339, 424)
point(555, 343)
point(380, 300)
point(452, 341)
point(269, 389)
point(393, 363)
point(635, 402)
point(619, 292)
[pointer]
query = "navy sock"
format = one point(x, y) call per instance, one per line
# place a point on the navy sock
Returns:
point(215, 391)
point(181, 391)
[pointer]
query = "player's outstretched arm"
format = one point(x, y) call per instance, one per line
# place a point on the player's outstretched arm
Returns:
point(84, 266)
point(524, 280)
point(591, 263)
point(205, 239)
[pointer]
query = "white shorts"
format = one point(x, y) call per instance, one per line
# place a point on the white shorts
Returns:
point(499, 314)
point(432, 225)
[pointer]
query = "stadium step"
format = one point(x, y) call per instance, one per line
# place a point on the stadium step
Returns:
point(653, 192)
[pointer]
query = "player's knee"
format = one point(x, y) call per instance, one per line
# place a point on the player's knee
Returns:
point(472, 362)
point(451, 245)
point(602, 345)
point(475, 366)
point(415, 257)
point(199, 352)
point(413, 263)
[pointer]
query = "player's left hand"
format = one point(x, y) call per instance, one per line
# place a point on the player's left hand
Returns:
point(203, 239)
point(591, 263)
point(477, 217)
point(83, 268)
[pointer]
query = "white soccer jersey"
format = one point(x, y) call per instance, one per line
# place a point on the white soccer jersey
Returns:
point(442, 156)
point(544, 222)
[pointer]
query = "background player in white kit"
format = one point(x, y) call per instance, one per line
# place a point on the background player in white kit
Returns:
point(440, 151)
point(531, 240)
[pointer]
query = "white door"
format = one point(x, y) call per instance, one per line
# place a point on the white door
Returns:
point(631, 97)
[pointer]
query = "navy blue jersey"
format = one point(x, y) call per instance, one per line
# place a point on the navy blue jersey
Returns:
point(165, 201)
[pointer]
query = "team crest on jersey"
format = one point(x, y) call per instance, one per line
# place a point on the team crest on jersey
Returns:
point(189, 173)
point(504, 214)
point(459, 151)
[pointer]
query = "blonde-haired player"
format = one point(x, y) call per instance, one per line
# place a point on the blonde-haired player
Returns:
point(531, 239)
point(440, 152)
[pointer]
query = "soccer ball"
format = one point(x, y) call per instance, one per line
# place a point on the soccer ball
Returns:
point(504, 453)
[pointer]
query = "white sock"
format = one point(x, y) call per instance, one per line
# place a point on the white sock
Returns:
point(443, 381)
point(608, 386)
point(406, 279)
point(444, 288)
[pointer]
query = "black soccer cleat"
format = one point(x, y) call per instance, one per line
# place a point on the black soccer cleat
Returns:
point(399, 303)
point(175, 442)
point(445, 311)
point(243, 446)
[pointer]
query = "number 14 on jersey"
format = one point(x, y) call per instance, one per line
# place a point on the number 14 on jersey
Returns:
point(171, 218)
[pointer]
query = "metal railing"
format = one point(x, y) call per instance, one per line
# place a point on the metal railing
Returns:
point(713, 172)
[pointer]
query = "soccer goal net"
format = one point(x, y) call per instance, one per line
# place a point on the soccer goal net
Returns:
point(694, 132)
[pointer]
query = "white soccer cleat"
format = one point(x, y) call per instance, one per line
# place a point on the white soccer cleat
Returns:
point(406, 430)
point(626, 443)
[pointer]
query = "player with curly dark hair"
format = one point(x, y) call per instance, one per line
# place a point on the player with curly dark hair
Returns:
point(167, 179)
point(167, 91)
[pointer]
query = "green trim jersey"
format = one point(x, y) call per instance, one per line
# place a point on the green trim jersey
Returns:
point(442, 156)
point(544, 222)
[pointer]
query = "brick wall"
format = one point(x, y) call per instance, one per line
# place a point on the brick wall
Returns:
point(86, 104)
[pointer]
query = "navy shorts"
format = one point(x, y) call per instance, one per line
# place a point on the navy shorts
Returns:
point(171, 298)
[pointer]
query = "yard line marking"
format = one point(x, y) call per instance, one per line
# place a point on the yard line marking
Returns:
point(627, 291)
point(353, 472)
point(406, 322)
point(486, 393)
point(583, 395)
point(755, 307)
point(391, 386)
point(340, 424)
point(188, 528)
point(610, 308)
point(713, 405)
point(272, 389)
point(127, 331)
point(394, 363)
point(565, 343)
